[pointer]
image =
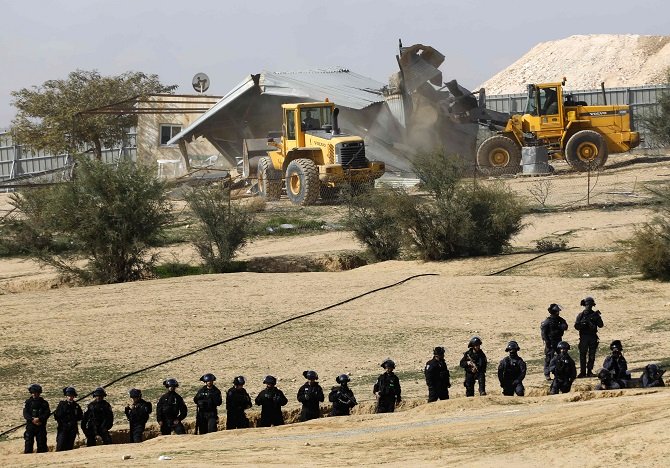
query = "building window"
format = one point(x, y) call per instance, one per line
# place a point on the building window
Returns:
point(168, 132)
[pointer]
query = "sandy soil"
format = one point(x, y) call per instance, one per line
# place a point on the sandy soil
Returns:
point(89, 336)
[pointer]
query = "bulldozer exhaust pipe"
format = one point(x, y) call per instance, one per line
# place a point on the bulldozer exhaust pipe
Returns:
point(336, 126)
point(602, 87)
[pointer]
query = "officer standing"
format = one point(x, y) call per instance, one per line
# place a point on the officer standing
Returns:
point(138, 414)
point(98, 419)
point(68, 414)
point(588, 321)
point(342, 397)
point(310, 395)
point(617, 365)
point(512, 371)
point(564, 369)
point(552, 329)
point(387, 389)
point(207, 400)
point(36, 411)
point(271, 399)
point(437, 376)
point(171, 409)
point(237, 401)
point(474, 362)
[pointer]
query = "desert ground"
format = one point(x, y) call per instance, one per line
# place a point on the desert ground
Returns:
point(88, 336)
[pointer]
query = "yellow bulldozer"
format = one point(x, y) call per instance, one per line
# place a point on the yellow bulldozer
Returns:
point(313, 157)
point(584, 135)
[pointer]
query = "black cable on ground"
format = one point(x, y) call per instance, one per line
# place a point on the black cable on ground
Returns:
point(529, 260)
point(243, 335)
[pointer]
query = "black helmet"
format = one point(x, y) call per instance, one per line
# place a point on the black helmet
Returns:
point(239, 380)
point(167, 383)
point(605, 375)
point(475, 341)
point(310, 375)
point(35, 388)
point(512, 346)
point(342, 379)
point(616, 345)
point(563, 345)
point(554, 308)
point(135, 393)
point(99, 392)
point(208, 378)
point(69, 391)
point(388, 364)
point(270, 380)
point(438, 351)
point(587, 301)
point(652, 369)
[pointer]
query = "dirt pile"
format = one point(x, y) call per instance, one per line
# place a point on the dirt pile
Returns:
point(586, 60)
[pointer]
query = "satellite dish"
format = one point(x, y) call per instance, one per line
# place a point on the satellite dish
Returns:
point(200, 82)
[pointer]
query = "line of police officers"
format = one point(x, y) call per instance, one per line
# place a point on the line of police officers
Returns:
point(171, 409)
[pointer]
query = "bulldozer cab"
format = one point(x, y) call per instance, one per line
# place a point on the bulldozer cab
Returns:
point(544, 109)
point(301, 118)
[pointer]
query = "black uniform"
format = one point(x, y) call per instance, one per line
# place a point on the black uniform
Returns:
point(652, 376)
point(170, 412)
point(97, 421)
point(511, 372)
point(388, 389)
point(67, 415)
point(437, 379)
point(207, 400)
point(310, 395)
point(588, 321)
point(474, 363)
point(342, 399)
point(552, 329)
point(617, 365)
point(36, 408)
point(607, 381)
point(237, 401)
point(138, 416)
point(271, 400)
point(565, 371)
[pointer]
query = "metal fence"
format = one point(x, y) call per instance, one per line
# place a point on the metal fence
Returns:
point(643, 101)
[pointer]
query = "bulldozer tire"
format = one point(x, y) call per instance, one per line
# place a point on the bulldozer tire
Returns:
point(586, 150)
point(269, 179)
point(302, 182)
point(499, 155)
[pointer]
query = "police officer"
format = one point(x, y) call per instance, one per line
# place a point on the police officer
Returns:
point(617, 365)
point(552, 329)
point(652, 376)
point(138, 415)
point(36, 411)
point(437, 376)
point(342, 397)
point(207, 400)
point(68, 414)
point(588, 321)
point(98, 419)
point(607, 381)
point(310, 395)
point(512, 371)
point(564, 369)
point(271, 399)
point(474, 362)
point(237, 401)
point(171, 409)
point(387, 389)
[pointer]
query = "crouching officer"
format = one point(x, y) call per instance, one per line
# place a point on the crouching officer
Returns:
point(98, 419)
point(171, 409)
point(237, 401)
point(437, 376)
point(342, 397)
point(36, 411)
point(617, 364)
point(387, 389)
point(68, 414)
point(207, 400)
point(652, 376)
point(138, 414)
point(607, 381)
point(512, 371)
point(271, 400)
point(552, 329)
point(588, 321)
point(474, 362)
point(310, 395)
point(564, 369)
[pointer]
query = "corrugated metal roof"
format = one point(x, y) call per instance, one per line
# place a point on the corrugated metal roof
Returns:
point(339, 85)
